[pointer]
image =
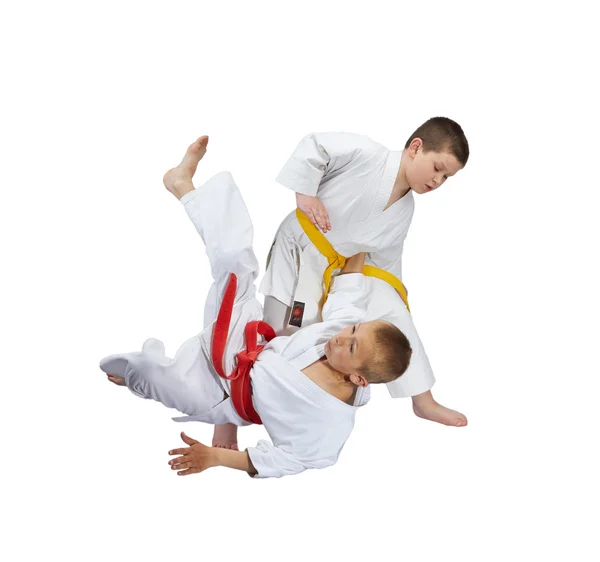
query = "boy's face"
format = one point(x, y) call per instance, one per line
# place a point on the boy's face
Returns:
point(350, 348)
point(429, 170)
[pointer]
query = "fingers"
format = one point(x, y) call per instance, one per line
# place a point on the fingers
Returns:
point(320, 220)
point(314, 209)
point(180, 463)
point(189, 471)
point(188, 440)
point(323, 218)
point(183, 451)
point(184, 465)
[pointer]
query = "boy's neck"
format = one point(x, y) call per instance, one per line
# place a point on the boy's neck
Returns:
point(331, 380)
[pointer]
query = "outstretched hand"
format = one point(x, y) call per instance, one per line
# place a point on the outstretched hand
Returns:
point(314, 209)
point(195, 458)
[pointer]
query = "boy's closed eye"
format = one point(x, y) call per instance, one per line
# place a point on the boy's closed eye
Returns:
point(438, 169)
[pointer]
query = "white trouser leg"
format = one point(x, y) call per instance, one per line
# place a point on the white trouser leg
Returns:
point(185, 383)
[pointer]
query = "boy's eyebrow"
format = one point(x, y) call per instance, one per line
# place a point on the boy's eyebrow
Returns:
point(355, 338)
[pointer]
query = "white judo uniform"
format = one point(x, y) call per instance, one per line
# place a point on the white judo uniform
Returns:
point(307, 426)
point(353, 176)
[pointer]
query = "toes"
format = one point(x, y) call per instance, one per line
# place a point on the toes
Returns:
point(232, 446)
point(199, 144)
point(115, 379)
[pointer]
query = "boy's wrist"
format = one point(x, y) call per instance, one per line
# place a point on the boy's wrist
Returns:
point(217, 457)
point(239, 460)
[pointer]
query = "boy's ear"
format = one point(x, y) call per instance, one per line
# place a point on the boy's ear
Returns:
point(415, 146)
point(359, 380)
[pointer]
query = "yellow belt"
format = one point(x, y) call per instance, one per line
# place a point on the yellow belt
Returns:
point(337, 260)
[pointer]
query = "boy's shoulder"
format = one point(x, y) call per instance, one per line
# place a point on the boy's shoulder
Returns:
point(351, 141)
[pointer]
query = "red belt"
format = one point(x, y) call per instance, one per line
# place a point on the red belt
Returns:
point(241, 390)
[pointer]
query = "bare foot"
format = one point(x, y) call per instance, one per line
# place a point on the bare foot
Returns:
point(178, 180)
point(440, 414)
point(116, 379)
point(225, 436)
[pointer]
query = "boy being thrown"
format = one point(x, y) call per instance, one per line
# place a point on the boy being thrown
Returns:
point(305, 388)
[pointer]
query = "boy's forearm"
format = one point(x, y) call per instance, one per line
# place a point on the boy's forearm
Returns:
point(240, 460)
point(354, 264)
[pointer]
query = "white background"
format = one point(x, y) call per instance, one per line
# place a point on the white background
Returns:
point(100, 99)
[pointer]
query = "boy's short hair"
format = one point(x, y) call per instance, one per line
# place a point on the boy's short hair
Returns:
point(440, 134)
point(390, 356)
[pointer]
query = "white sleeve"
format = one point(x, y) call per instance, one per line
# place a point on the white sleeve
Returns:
point(320, 154)
point(347, 298)
point(274, 462)
point(419, 377)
